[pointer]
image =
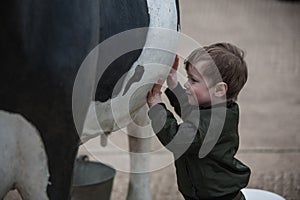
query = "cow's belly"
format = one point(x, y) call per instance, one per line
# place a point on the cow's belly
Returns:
point(154, 61)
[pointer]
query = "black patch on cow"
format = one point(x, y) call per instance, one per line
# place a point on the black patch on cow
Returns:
point(42, 45)
point(120, 15)
point(137, 76)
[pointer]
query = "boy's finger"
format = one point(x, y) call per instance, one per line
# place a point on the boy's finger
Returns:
point(175, 64)
point(160, 81)
point(157, 86)
point(149, 94)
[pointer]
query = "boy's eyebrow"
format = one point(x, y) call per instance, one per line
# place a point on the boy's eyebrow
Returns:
point(192, 76)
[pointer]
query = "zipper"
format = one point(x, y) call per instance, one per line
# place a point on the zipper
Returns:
point(190, 176)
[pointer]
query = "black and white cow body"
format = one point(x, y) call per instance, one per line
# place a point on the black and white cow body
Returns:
point(43, 44)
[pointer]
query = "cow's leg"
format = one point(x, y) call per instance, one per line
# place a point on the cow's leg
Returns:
point(139, 145)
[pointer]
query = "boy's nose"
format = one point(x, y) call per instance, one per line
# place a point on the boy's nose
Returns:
point(186, 85)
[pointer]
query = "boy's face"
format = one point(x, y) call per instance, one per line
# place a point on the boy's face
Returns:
point(197, 87)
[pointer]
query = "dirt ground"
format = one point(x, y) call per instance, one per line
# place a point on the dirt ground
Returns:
point(269, 32)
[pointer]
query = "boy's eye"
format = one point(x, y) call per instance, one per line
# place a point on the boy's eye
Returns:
point(192, 80)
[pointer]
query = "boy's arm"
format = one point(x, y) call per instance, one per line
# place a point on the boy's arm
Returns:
point(179, 139)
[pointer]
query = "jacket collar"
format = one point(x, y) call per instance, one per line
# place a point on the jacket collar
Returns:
point(228, 104)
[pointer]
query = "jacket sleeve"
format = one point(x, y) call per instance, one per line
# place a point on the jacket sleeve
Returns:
point(181, 138)
point(179, 100)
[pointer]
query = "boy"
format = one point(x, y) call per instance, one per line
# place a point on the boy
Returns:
point(216, 74)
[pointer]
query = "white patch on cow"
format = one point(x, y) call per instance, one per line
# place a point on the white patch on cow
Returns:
point(163, 17)
point(23, 158)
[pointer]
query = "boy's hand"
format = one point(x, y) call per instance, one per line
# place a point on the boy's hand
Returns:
point(154, 95)
point(172, 77)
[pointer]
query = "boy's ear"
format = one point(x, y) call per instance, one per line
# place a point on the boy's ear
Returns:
point(220, 89)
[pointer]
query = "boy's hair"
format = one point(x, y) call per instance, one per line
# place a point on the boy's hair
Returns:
point(226, 63)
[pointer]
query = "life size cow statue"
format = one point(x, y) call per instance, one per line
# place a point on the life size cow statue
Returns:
point(43, 45)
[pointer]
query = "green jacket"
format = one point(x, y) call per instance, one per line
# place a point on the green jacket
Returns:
point(202, 176)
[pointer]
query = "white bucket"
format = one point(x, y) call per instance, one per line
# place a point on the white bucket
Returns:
point(255, 194)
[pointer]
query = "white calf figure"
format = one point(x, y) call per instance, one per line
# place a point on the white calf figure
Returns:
point(23, 161)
